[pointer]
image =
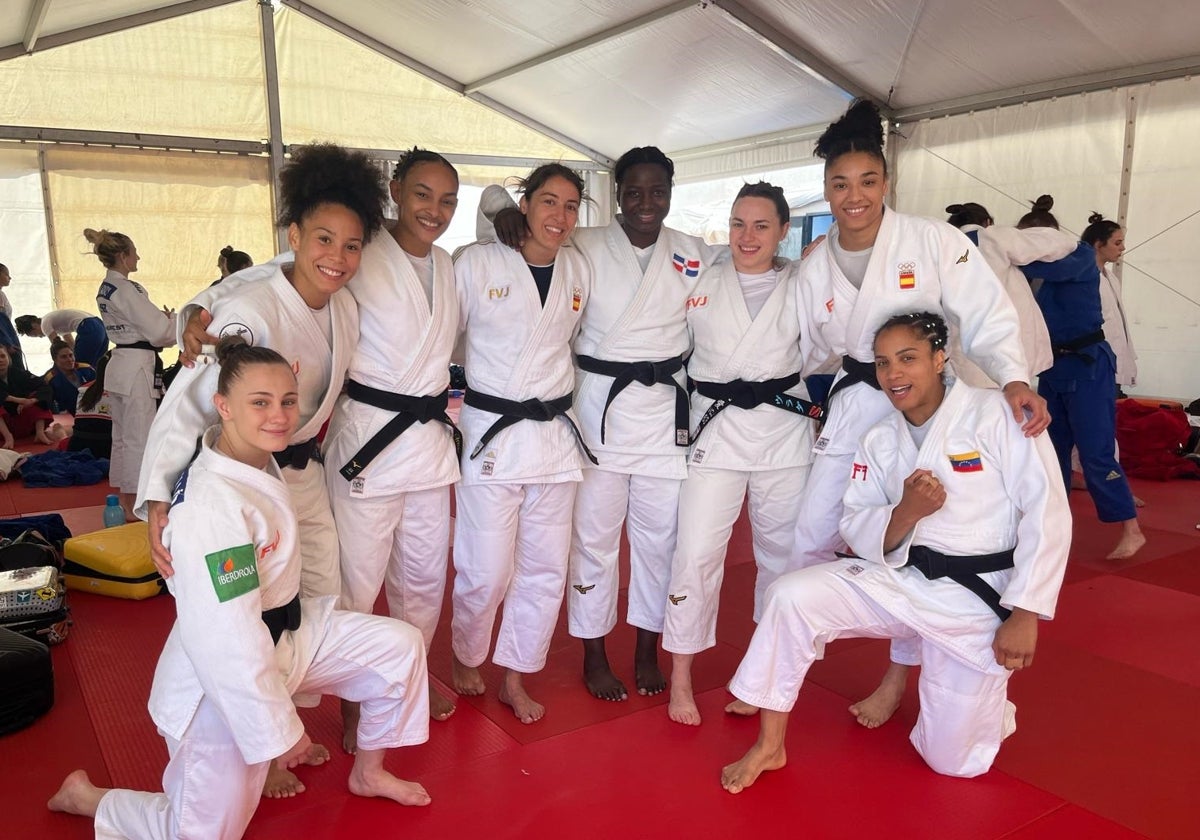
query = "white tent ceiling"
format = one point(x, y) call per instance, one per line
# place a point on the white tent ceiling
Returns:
point(604, 75)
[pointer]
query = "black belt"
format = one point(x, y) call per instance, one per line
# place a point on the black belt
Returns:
point(408, 410)
point(282, 618)
point(746, 395)
point(512, 412)
point(298, 455)
point(856, 372)
point(965, 571)
point(102, 364)
point(625, 374)
point(1072, 347)
point(140, 345)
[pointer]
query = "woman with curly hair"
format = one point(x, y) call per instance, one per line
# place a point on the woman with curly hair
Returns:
point(332, 202)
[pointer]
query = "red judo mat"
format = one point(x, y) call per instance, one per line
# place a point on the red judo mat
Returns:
point(1105, 748)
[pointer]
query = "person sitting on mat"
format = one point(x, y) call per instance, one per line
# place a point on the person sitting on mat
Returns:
point(244, 641)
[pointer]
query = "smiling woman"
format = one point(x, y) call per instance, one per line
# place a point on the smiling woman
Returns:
point(296, 304)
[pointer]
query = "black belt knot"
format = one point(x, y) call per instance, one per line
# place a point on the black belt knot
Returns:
point(965, 571)
point(644, 373)
point(408, 409)
point(298, 455)
point(282, 618)
point(514, 411)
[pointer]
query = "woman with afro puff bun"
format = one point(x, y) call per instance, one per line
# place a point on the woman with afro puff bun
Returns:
point(332, 203)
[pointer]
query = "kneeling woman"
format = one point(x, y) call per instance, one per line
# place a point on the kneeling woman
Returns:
point(961, 530)
point(244, 641)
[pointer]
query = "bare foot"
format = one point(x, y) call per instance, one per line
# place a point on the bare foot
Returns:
point(1138, 502)
point(281, 784)
point(379, 782)
point(466, 680)
point(647, 675)
point(877, 709)
point(1131, 542)
point(350, 713)
point(316, 756)
point(741, 707)
point(440, 706)
point(744, 772)
point(512, 693)
point(603, 684)
point(1077, 481)
point(77, 795)
point(682, 708)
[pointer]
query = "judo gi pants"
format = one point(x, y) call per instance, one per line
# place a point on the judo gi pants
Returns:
point(132, 415)
point(964, 714)
point(1083, 414)
point(818, 535)
point(710, 502)
point(648, 507)
point(210, 793)
point(319, 575)
point(511, 543)
point(400, 541)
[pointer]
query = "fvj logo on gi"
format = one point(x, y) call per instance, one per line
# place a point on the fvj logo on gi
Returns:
point(686, 267)
point(908, 275)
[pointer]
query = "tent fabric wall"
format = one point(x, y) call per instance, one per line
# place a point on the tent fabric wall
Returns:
point(333, 89)
point(199, 75)
point(1073, 148)
point(1161, 272)
point(179, 209)
point(26, 248)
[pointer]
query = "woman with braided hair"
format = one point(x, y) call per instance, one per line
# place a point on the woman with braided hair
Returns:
point(960, 530)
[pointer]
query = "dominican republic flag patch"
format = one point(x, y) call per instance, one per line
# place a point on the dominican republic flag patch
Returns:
point(686, 267)
point(908, 275)
point(966, 462)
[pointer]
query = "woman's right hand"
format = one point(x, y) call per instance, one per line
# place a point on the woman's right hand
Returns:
point(510, 227)
point(923, 495)
point(195, 336)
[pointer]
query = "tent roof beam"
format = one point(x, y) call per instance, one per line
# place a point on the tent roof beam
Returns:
point(105, 28)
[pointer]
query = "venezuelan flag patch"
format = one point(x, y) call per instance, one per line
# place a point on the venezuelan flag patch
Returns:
point(966, 462)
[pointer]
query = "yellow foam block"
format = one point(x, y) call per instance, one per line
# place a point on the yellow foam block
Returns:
point(115, 562)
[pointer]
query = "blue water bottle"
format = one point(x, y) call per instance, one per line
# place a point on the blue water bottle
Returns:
point(113, 514)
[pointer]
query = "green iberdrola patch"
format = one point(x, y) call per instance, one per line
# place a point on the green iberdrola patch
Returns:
point(233, 571)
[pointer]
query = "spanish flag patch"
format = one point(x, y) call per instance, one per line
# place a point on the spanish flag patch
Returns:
point(908, 275)
point(966, 462)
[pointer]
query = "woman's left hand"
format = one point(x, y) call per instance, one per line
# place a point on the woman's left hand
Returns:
point(1021, 399)
point(1015, 640)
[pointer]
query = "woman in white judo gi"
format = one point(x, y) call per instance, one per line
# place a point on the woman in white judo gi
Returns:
point(752, 432)
point(875, 263)
point(332, 203)
point(961, 530)
point(132, 375)
point(244, 640)
point(633, 412)
point(391, 447)
point(521, 447)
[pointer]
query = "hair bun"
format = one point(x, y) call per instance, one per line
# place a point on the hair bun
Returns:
point(955, 208)
point(1095, 217)
point(93, 236)
point(227, 250)
point(861, 124)
point(229, 347)
point(1044, 202)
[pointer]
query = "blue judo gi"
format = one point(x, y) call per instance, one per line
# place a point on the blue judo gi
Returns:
point(1080, 387)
